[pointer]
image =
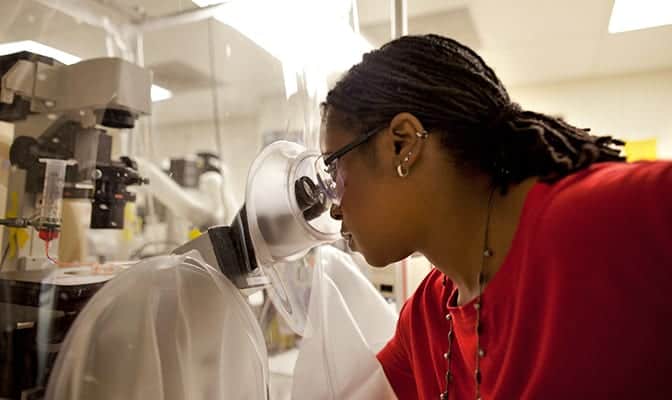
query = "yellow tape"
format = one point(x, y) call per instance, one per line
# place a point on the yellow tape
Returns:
point(194, 233)
point(637, 150)
point(18, 237)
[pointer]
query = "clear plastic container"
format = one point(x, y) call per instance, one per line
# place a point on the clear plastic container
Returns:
point(283, 229)
point(169, 328)
point(52, 193)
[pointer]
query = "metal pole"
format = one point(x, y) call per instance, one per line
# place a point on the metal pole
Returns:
point(354, 16)
point(139, 49)
point(181, 18)
point(399, 18)
point(399, 27)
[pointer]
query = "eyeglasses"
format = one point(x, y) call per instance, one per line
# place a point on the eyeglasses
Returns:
point(327, 168)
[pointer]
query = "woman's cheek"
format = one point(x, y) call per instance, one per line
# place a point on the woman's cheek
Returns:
point(340, 182)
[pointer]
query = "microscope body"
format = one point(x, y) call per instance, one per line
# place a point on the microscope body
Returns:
point(61, 112)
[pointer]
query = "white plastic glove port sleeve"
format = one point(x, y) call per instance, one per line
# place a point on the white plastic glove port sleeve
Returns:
point(169, 328)
point(348, 323)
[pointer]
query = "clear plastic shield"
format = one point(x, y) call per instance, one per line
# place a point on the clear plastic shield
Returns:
point(168, 328)
point(159, 113)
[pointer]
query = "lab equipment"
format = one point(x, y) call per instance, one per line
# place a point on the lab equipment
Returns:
point(177, 326)
point(182, 200)
point(36, 310)
point(285, 215)
point(48, 220)
point(201, 196)
point(52, 199)
point(52, 193)
point(171, 327)
point(58, 113)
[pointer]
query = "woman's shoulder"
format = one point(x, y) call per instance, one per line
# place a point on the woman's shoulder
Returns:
point(605, 194)
point(426, 299)
point(606, 214)
point(604, 183)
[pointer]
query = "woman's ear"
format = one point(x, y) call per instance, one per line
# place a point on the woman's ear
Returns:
point(408, 136)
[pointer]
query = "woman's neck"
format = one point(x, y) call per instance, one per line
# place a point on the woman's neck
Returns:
point(456, 239)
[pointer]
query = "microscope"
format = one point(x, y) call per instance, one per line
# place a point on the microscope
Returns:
point(61, 150)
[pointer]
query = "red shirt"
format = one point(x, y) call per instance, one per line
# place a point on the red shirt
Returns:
point(580, 308)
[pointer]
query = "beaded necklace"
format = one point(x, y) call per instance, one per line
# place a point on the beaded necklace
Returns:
point(480, 352)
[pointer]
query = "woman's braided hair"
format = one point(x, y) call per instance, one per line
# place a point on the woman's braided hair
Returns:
point(451, 90)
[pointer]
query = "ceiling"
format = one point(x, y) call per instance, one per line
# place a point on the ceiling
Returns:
point(526, 41)
point(533, 41)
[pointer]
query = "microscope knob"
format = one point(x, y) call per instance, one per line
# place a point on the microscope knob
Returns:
point(129, 162)
point(24, 152)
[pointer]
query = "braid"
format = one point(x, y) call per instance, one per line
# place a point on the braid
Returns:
point(547, 147)
point(451, 90)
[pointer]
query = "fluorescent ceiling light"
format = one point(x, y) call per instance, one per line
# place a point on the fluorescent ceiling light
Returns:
point(38, 48)
point(157, 92)
point(630, 15)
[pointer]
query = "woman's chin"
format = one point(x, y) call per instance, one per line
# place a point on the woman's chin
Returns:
point(377, 262)
point(371, 259)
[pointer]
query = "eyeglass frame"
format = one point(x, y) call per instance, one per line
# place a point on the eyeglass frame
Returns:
point(328, 161)
point(362, 139)
point(350, 146)
point(331, 158)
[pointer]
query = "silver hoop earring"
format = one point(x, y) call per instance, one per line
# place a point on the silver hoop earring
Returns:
point(402, 171)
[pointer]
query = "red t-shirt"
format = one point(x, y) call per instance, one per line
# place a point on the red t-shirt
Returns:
point(580, 308)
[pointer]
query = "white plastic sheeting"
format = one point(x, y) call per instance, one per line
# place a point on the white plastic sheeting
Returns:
point(348, 322)
point(174, 328)
point(169, 328)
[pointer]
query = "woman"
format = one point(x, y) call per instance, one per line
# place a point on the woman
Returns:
point(552, 276)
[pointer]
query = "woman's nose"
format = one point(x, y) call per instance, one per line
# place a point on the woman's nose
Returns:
point(335, 212)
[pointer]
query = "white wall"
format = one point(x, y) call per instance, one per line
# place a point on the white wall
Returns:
point(630, 107)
